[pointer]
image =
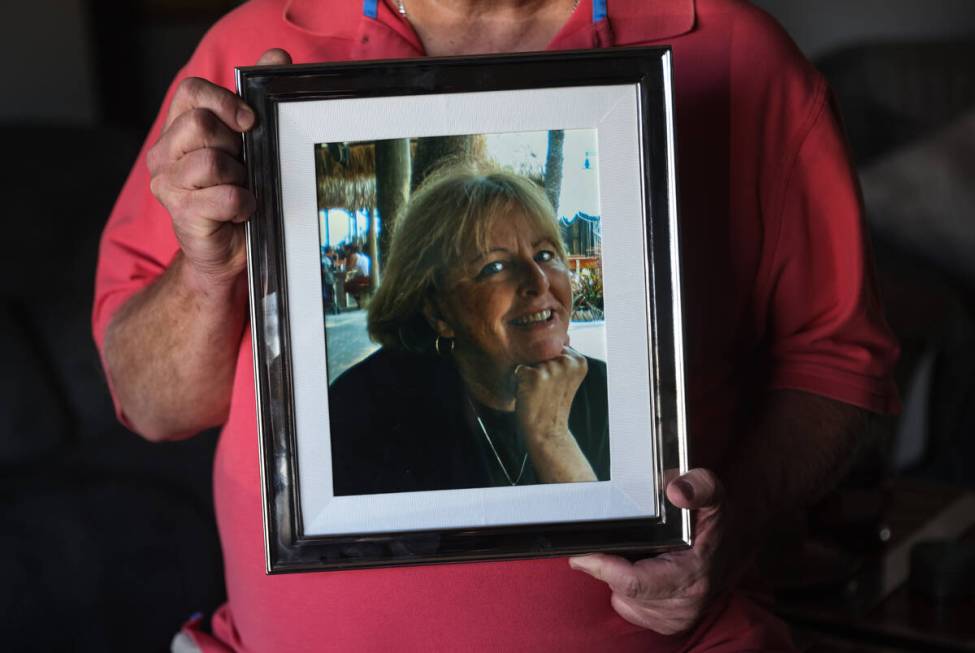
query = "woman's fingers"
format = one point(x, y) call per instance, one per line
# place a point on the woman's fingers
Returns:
point(570, 364)
point(545, 392)
point(575, 355)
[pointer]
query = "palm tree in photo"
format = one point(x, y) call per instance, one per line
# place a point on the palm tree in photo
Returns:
point(553, 167)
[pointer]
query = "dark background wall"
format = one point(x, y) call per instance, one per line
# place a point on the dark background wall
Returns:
point(49, 79)
point(91, 62)
point(825, 25)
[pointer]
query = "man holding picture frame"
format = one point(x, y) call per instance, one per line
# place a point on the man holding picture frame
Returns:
point(787, 349)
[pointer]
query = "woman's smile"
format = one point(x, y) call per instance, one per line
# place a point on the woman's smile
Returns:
point(538, 319)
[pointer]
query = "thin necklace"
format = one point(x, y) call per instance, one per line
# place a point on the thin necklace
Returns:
point(401, 7)
point(487, 437)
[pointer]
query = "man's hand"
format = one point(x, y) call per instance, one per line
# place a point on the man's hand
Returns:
point(669, 593)
point(171, 349)
point(799, 447)
point(196, 173)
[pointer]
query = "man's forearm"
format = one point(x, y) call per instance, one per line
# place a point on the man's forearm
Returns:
point(171, 352)
point(798, 450)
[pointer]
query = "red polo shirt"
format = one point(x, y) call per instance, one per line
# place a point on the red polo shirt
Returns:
point(778, 295)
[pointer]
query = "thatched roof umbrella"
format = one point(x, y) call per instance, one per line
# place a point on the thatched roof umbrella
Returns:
point(346, 172)
point(346, 176)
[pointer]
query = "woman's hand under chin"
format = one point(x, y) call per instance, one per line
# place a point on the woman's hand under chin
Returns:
point(543, 399)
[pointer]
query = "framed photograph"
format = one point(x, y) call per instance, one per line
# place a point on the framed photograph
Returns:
point(465, 308)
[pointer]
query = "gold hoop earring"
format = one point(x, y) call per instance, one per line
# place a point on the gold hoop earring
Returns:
point(443, 351)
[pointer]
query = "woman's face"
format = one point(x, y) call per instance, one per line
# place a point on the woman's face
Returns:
point(511, 304)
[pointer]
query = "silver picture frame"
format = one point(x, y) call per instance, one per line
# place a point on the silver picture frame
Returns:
point(624, 95)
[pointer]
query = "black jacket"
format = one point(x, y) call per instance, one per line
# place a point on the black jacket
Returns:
point(402, 422)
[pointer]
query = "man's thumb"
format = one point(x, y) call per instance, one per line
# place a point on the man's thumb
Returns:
point(274, 57)
point(698, 488)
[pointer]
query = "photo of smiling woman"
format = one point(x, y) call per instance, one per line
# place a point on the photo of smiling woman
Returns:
point(476, 382)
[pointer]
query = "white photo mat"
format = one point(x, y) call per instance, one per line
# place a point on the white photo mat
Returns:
point(614, 111)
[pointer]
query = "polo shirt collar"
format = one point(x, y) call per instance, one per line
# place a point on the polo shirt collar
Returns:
point(642, 21)
point(329, 19)
point(377, 31)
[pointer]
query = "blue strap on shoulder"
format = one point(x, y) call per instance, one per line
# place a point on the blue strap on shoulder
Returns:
point(370, 8)
point(598, 10)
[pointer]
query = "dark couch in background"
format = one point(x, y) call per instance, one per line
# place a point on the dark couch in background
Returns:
point(909, 111)
point(107, 543)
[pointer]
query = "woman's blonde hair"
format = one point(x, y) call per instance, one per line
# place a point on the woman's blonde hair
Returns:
point(448, 216)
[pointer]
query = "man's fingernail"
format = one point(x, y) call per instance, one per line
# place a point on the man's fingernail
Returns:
point(685, 488)
point(245, 118)
point(580, 564)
